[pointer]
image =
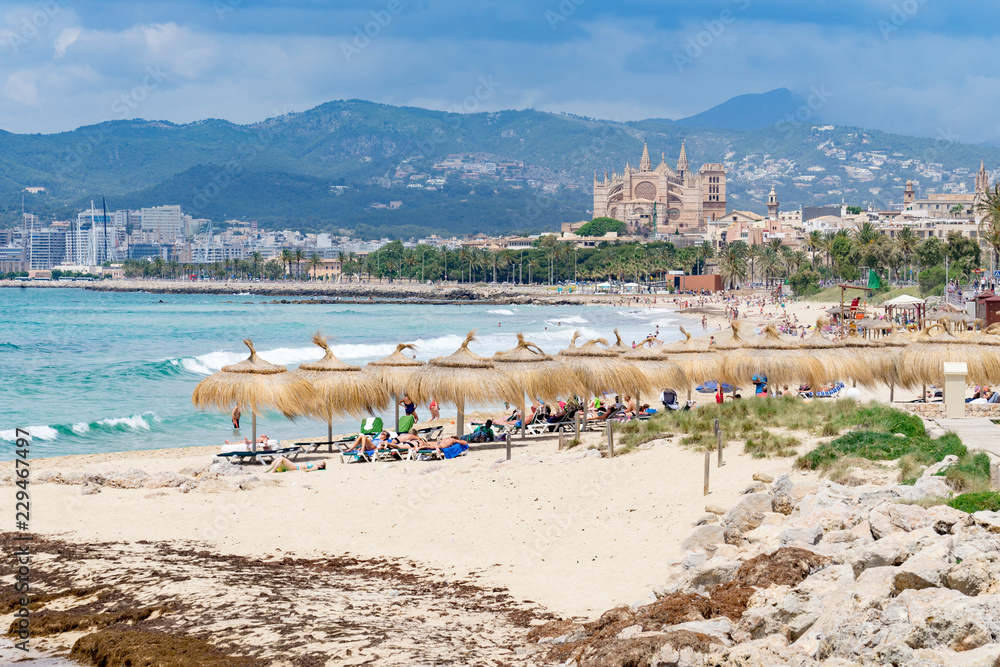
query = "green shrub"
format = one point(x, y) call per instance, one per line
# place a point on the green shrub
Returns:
point(884, 419)
point(970, 474)
point(876, 446)
point(976, 502)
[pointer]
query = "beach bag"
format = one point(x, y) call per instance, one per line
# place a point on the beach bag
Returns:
point(454, 451)
point(482, 434)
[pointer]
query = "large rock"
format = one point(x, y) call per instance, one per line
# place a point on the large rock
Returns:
point(975, 576)
point(748, 513)
point(164, 480)
point(927, 568)
point(892, 518)
point(704, 536)
point(943, 618)
point(802, 536)
point(711, 574)
point(133, 478)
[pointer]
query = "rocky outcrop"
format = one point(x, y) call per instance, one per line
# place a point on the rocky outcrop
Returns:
point(817, 574)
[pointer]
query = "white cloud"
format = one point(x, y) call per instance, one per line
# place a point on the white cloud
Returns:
point(65, 40)
point(20, 88)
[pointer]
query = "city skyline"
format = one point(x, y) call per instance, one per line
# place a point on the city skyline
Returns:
point(73, 64)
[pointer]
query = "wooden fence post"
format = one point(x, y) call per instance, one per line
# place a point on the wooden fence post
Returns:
point(720, 437)
point(708, 465)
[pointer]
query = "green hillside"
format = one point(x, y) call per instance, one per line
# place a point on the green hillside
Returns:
point(280, 171)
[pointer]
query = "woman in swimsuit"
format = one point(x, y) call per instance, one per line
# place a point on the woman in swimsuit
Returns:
point(410, 407)
point(281, 464)
point(435, 412)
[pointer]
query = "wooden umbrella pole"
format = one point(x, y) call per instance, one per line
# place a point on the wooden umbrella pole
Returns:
point(524, 425)
point(396, 401)
point(329, 433)
point(253, 444)
point(459, 426)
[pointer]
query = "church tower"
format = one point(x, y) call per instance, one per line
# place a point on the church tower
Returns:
point(909, 195)
point(772, 205)
point(682, 163)
point(982, 190)
point(645, 166)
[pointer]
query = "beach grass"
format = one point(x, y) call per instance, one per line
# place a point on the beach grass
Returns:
point(976, 502)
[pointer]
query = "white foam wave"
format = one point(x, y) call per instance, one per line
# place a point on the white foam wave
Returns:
point(80, 428)
point(501, 311)
point(37, 433)
point(572, 319)
point(135, 422)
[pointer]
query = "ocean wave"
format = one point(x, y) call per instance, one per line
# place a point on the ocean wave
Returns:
point(9, 346)
point(501, 311)
point(138, 422)
point(572, 319)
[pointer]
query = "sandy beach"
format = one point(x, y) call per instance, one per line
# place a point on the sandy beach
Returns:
point(566, 533)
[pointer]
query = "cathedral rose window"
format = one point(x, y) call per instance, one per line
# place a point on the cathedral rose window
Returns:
point(645, 190)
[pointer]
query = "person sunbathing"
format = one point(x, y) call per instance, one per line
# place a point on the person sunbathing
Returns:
point(263, 441)
point(411, 440)
point(364, 443)
point(447, 441)
point(281, 464)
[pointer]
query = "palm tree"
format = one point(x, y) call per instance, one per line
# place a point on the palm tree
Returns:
point(814, 243)
point(798, 258)
point(287, 258)
point(866, 234)
point(769, 262)
point(298, 255)
point(314, 261)
point(989, 226)
point(906, 241)
point(733, 262)
point(256, 259)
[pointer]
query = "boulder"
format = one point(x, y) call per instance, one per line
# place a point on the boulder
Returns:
point(720, 628)
point(782, 503)
point(783, 484)
point(943, 464)
point(988, 520)
point(133, 478)
point(706, 519)
point(943, 618)
point(799, 491)
point(748, 513)
point(927, 568)
point(47, 476)
point(930, 487)
point(89, 489)
point(802, 536)
point(946, 518)
point(164, 480)
point(715, 509)
point(891, 518)
point(974, 576)
point(712, 573)
point(226, 469)
point(754, 487)
point(94, 479)
point(72, 478)
point(704, 536)
point(763, 477)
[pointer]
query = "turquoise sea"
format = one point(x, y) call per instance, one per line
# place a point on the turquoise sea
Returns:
point(89, 372)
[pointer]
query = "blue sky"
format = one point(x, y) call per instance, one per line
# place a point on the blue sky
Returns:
point(921, 67)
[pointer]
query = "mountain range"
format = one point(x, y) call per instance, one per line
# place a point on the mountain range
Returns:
point(403, 171)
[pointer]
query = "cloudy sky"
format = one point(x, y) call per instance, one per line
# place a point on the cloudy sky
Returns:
point(923, 67)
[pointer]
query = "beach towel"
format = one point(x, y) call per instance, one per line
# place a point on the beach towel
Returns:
point(453, 451)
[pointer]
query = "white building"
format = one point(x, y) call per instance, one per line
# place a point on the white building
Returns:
point(164, 223)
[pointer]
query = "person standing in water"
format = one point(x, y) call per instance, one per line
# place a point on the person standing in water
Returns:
point(236, 417)
point(410, 407)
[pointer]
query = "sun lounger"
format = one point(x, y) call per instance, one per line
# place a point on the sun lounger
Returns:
point(264, 456)
point(431, 433)
point(371, 426)
point(406, 422)
point(340, 443)
point(599, 424)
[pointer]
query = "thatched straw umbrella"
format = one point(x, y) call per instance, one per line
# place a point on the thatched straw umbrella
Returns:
point(696, 357)
point(536, 374)
point(825, 351)
point(923, 361)
point(864, 362)
point(598, 368)
point(659, 370)
point(619, 347)
point(259, 385)
point(894, 343)
point(464, 377)
point(781, 362)
point(396, 373)
point(341, 388)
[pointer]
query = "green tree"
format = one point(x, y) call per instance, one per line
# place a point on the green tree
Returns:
point(601, 226)
point(314, 261)
point(804, 282)
point(733, 263)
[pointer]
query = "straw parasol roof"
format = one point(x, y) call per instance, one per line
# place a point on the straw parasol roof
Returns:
point(864, 362)
point(619, 347)
point(923, 361)
point(535, 373)
point(258, 385)
point(600, 369)
point(660, 371)
point(396, 371)
point(826, 351)
point(342, 388)
point(696, 358)
point(465, 377)
point(783, 363)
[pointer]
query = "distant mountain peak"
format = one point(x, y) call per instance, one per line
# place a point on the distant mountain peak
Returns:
point(748, 112)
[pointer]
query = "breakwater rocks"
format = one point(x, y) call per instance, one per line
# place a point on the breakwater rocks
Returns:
point(319, 292)
point(813, 574)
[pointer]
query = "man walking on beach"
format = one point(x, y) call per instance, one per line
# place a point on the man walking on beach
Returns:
point(236, 417)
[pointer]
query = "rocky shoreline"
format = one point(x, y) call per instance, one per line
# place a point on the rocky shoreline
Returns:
point(813, 574)
point(327, 293)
